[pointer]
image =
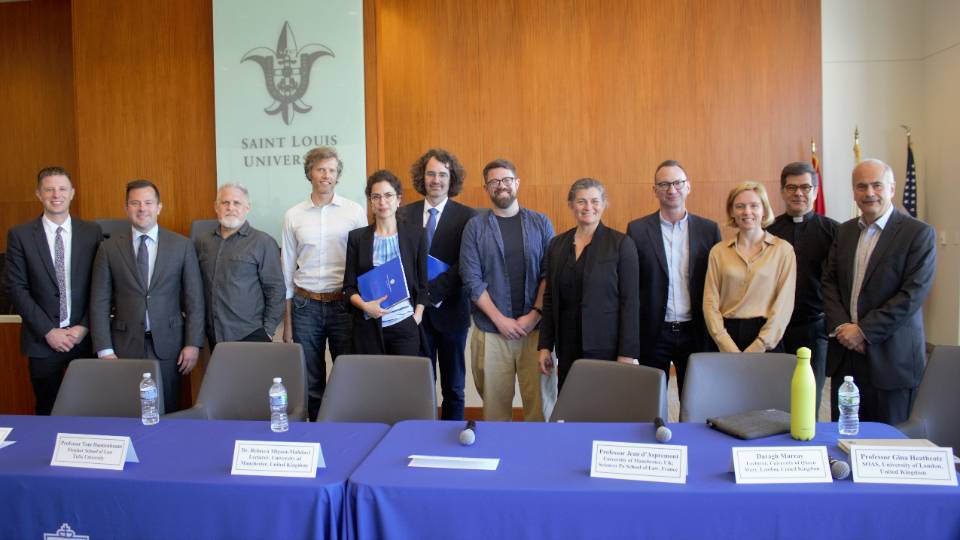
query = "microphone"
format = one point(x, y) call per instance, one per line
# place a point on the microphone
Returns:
point(839, 468)
point(469, 434)
point(663, 432)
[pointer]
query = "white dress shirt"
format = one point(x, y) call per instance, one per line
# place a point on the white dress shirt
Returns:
point(676, 245)
point(314, 243)
point(439, 207)
point(50, 229)
point(869, 235)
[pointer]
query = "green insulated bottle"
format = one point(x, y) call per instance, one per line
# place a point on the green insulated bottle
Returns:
point(803, 417)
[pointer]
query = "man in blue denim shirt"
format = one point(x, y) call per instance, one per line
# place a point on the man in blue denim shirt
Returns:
point(501, 264)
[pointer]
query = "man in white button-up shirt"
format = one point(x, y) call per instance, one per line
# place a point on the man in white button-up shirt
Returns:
point(314, 253)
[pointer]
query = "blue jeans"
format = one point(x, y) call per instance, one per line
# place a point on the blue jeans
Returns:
point(314, 323)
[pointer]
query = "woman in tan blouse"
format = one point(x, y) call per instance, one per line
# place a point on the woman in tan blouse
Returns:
point(749, 290)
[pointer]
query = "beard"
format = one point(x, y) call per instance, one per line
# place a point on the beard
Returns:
point(503, 202)
point(231, 222)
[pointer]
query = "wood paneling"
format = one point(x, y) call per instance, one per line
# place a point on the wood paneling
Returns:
point(144, 104)
point(36, 103)
point(16, 392)
point(573, 88)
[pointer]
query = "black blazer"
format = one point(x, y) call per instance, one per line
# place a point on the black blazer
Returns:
point(611, 302)
point(454, 313)
point(895, 285)
point(654, 280)
point(413, 256)
point(32, 280)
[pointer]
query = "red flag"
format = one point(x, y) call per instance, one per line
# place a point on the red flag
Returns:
point(819, 206)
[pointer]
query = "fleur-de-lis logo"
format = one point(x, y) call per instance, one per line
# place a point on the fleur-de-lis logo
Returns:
point(287, 72)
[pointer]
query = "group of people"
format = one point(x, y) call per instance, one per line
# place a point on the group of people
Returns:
point(666, 288)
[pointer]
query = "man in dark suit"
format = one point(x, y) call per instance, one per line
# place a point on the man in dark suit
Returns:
point(437, 175)
point(49, 261)
point(673, 246)
point(877, 277)
point(148, 279)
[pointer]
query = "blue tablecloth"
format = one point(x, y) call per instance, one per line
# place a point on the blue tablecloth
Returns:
point(182, 487)
point(543, 489)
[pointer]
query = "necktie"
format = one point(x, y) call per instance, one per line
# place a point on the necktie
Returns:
point(59, 258)
point(143, 261)
point(431, 226)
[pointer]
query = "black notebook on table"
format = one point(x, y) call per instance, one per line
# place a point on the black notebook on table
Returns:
point(752, 424)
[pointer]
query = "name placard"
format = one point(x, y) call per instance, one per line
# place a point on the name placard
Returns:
point(454, 462)
point(903, 465)
point(108, 452)
point(4, 431)
point(781, 464)
point(641, 462)
point(277, 458)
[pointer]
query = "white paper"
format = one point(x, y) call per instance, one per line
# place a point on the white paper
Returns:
point(277, 458)
point(781, 464)
point(5, 444)
point(4, 431)
point(451, 462)
point(642, 462)
point(903, 465)
point(108, 452)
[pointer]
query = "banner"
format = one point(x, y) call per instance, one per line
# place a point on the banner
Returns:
point(288, 77)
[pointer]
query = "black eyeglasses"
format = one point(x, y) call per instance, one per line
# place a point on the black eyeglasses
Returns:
point(803, 188)
point(676, 184)
point(389, 196)
point(506, 181)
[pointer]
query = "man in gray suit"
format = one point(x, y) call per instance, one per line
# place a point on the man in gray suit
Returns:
point(878, 275)
point(149, 280)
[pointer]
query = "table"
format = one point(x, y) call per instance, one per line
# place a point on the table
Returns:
point(181, 488)
point(543, 489)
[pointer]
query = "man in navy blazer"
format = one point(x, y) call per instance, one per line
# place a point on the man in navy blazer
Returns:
point(49, 261)
point(877, 277)
point(146, 294)
point(673, 246)
point(438, 176)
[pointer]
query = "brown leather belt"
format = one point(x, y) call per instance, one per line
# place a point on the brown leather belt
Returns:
point(336, 296)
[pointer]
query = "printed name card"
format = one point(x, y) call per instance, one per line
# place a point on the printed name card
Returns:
point(642, 462)
point(453, 462)
point(781, 464)
point(108, 452)
point(4, 431)
point(277, 458)
point(903, 465)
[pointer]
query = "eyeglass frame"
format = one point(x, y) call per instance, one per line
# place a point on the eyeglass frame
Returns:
point(665, 186)
point(388, 196)
point(802, 188)
point(506, 181)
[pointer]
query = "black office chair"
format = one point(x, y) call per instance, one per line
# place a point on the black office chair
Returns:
point(113, 226)
point(238, 379)
point(99, 387)
point(936, 411)
point(385, 389)
point(605, 391)
point(721, 384)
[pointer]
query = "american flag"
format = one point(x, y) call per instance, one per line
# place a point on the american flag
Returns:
point(910, 186)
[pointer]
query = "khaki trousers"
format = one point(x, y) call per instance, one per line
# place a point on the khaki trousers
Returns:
point(496, 363)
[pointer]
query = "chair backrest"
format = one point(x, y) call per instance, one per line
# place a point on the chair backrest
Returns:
point(202, 226)
point(385, 389)
point(721, 384)
point(113, 226)
point(238, 379)
point(937, 407)
point(605, 391)
point(99, 387)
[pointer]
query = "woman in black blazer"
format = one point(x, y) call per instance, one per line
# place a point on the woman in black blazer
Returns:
point(591, 300)
point(392, 329)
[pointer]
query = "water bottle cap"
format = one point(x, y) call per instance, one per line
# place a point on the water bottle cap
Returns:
point(277, 379)
point(848, 378)
point(148, 375)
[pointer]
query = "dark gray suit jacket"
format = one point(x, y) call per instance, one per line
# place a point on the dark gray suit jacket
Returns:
point(32, 280)
point(889, 308)
point(119, 300)
point(703, 234)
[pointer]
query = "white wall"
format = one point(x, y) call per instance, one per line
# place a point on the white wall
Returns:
point(886, 63)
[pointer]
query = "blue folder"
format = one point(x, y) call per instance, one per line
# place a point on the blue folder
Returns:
point(387, 279)
point(435, 267)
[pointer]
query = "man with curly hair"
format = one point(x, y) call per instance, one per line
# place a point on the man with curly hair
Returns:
point(438, 176)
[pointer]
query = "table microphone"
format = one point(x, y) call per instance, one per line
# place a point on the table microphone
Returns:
point(663, 432)
point(469, 434)
point(839, 468)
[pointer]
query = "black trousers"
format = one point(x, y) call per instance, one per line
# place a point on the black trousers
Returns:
point(401, 338)
point(170, 374)
point(743, 332)
point(675, 343)
point(46, 374)
point(812, 335)
point(876, 405)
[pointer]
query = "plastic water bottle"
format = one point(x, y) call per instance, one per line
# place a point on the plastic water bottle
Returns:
point(278, 406)
point(848, 398)
point(149, 414)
